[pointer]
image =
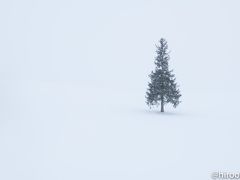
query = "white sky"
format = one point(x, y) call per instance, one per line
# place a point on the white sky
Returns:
point(75, 40)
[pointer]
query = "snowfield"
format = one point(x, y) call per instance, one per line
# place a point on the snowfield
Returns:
point(73, 82)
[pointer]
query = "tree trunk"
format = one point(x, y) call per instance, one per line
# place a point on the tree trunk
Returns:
point(162, 105)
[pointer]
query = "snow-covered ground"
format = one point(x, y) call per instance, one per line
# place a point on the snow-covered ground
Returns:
point(73, 76)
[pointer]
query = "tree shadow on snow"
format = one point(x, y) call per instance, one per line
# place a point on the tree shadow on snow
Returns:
point(157, 112)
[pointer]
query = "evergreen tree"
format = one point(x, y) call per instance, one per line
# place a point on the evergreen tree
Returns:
point(162, 89)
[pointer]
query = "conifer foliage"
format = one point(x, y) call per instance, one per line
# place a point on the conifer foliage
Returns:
point(162, 88)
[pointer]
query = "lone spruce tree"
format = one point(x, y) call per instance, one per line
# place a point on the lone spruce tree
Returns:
point(162, 89)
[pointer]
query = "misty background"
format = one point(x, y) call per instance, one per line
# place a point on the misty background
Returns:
point(73, 77)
